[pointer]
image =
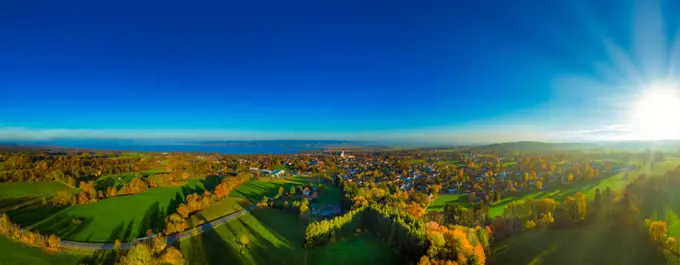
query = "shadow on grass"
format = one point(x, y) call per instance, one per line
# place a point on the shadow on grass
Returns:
point(34, 213)
point(186, 190)
point(63, 225)
point(100, 257)
point(209, 248)
point(210, 182)
point(153, 219)
point(603, 242)
point(8, 204)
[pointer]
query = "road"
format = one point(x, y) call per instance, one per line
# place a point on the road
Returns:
point(170, 239)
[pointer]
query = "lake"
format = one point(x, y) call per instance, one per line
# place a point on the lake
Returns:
point(262, 149)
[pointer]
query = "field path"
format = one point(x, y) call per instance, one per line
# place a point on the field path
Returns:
point(170, 239)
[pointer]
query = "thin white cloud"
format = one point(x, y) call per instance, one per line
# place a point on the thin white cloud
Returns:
point(451, 135)
point(613, 132)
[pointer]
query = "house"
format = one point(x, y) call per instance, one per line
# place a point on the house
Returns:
point(308, 194)
point(278, 172)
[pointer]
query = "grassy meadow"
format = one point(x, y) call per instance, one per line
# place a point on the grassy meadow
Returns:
point(598, 243)
point(559, 192)
point(276, 237)
point(119, 217)
point(15, 253)
point(129, 216)
point(118, 180)
point(31, 189)
point(219, 209)
point(254, 190)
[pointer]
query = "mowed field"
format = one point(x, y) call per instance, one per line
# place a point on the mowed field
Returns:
point(15, 195)
point(254, 190)
point(117, 180)
point(15, 253)
point(560, 192)
point(120, 217)
point(276, 237)
point(602, 243)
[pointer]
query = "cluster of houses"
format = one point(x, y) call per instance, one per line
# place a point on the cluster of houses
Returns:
point(420, 175)
point(276, 173)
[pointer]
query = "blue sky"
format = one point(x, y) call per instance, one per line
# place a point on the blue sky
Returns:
point(449, 71)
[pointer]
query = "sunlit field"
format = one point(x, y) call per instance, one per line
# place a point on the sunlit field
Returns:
point(15, 253)
point(557, 191)
point(275, 237)
point(560, 192)
point(123, 178)
point(14, 195)
point(31, 189)
point(120, 217)
point(597, 243)
point(254, 190)
point(223, 207)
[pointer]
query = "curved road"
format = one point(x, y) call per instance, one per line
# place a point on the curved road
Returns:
point(170, 239)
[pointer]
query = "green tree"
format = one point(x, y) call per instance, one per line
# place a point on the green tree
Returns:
point(139, 255)
point(243, 241)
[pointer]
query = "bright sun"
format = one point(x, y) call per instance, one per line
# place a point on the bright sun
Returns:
point(657, 114)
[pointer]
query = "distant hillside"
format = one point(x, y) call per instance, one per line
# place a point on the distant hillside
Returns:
point(540, 146)
point(632, 146)
point(315, 143)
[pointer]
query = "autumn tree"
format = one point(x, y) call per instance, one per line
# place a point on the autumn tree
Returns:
point(117, 245)
point(658, 231)
point(139, 255)
point(171, 256)
point(159, 244)
point(53, 242)
point(243, 241)
point(424, 260)
point(415, 210)
point(183, 210)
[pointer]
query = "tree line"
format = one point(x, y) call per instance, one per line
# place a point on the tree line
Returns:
point(383, 217)
point(68, 168)
point(89, 194)
point(177, 221)
point(14, 231)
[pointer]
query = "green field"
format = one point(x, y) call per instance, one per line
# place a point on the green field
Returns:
point(118, 180)
point(558, 192)
point(664, 206)
point(449, 162)
point(119, 217)
point(15, 253)
point(222, 208)
point(277, 238)
point(31, 189)
point(357, 250)
point(131, 155)
point(15, 195)
point(598, 243)
point(254, 190)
